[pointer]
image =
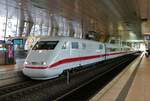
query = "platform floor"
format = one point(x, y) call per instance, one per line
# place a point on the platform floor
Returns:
point(140, 88)
point(132, 84)
point(10, 74)
point(15, 67)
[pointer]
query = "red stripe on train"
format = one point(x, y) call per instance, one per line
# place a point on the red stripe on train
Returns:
point(71, 60)
point(80, 59)
point(75, 60)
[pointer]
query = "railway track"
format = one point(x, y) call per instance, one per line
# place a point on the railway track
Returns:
point(57, 88)
point(14, 87)
point(12, 78)
point(86, 91)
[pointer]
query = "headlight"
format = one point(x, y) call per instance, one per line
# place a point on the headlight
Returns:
point(25, 62)
point(44, 63)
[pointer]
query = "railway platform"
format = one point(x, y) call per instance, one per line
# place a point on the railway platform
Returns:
point(14, 67)
point(140, 88)
point(11, 73)
point(132, 84)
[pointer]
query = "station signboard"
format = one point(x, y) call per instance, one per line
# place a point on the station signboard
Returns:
point(147, 37)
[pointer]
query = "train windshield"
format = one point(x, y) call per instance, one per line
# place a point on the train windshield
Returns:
point(45, 45)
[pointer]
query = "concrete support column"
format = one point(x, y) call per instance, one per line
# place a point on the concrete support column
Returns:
point(29, 27)
point(21, 23)
point(41, 32)
point(54, 26)
point(71, 29)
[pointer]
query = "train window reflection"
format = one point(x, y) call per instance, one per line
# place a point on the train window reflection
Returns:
point(45, 45)
point(100, 46)
point(75, 45)
point(64, 45)
point(83, 46)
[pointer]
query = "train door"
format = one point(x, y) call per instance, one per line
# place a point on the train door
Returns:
point(83, 52)
point(75, 54)
point(102, 51)
point(105, 51)
point(65, 54)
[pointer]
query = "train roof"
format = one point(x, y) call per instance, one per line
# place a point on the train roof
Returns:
point(64, 38)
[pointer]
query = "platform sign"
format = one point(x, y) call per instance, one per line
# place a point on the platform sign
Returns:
point(147, 37)
point(18, 41)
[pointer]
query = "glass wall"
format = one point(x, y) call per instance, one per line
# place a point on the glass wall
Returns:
point(2, 20)
point(12, 22)
point(44, 22)
point(8, 19)
point(47, 23)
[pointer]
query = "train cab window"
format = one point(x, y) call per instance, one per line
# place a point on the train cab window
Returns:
point(100, 46)
point(74, 45)
point(45, 45)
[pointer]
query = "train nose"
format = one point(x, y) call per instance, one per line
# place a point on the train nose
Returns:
point(35, 73)
point(42, 74)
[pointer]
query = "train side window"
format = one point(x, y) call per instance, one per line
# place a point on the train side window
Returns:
point(113, 49)
point(100, 46)
point(83, 46)
point(75, 45)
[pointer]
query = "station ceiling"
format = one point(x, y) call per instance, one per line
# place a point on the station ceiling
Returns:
point(110, 17)
point(144, 10)
point(113, 13)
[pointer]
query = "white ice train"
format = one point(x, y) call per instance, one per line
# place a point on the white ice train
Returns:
point(50, 56)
